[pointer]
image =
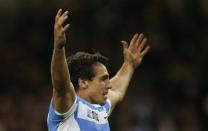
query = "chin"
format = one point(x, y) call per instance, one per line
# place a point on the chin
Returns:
point(103, 102)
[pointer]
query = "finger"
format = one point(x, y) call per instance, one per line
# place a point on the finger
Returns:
point(58, 14)
point(139, 40)
point(65, 14)
point(63, 19)
point(133, 40)
point(144, 52)
point(143, 43)
point(66, 27)
point(125, 45)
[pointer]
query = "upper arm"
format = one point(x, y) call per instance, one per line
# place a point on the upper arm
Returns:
point(63, 98)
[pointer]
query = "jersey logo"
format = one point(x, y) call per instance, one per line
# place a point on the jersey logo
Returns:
point(92, 114)
point(87, 113)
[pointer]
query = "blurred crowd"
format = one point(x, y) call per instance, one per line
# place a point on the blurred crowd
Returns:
point(169, 91)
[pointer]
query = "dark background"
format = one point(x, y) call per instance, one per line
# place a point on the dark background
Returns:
point(168, 91)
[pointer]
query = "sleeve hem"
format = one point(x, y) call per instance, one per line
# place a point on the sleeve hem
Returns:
point(70, 111)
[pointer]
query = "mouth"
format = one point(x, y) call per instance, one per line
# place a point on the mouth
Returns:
point(105, 94)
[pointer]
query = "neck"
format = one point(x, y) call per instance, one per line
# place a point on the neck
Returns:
point(84, 95)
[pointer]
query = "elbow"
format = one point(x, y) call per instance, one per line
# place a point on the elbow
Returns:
point(59, 83)
point(61, 87)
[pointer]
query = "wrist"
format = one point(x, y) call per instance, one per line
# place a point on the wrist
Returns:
point(58, 48)
point(130, 67)
point(59, 44)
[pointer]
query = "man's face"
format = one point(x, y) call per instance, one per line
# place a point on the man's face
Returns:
point(99, 85)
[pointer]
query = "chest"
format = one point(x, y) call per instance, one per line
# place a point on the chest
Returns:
point(93, 115)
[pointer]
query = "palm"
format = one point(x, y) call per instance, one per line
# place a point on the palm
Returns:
point(135, 51)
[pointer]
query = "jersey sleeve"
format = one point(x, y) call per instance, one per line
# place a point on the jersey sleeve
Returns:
point(54, 117)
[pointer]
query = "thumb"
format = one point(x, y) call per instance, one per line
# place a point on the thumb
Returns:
point(125, 45)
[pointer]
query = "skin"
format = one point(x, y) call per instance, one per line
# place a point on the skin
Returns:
point(63, 91)
point(97, 90)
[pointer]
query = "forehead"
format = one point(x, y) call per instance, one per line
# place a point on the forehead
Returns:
point(100, 69)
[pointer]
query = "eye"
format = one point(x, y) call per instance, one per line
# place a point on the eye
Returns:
point(105, 77)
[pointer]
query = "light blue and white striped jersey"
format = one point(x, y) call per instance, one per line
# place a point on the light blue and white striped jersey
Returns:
point(82, 116)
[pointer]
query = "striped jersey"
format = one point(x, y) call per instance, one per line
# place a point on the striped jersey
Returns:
point(82, 116)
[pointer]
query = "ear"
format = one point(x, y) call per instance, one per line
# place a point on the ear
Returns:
point(83, 84)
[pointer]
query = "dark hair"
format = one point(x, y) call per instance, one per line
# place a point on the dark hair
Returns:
point(81, 66)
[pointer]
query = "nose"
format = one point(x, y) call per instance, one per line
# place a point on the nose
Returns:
point(108, 85)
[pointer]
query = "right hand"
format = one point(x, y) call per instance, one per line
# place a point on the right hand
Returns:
point(60, 29)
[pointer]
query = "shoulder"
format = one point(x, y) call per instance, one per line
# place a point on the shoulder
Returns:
point(54, 115)
point(62, 121)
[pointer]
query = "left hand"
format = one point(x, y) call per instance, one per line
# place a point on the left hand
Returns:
point(136, 50)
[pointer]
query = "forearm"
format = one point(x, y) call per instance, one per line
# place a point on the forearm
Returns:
point(59, 69)
point(121, 80)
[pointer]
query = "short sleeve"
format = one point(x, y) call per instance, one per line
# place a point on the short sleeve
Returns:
point(54, 117)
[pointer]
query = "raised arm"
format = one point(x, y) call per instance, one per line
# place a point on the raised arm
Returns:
point(63, 91)
point(133, 55)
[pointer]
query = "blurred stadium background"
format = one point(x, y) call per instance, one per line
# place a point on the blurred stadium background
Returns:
point(169, 90)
